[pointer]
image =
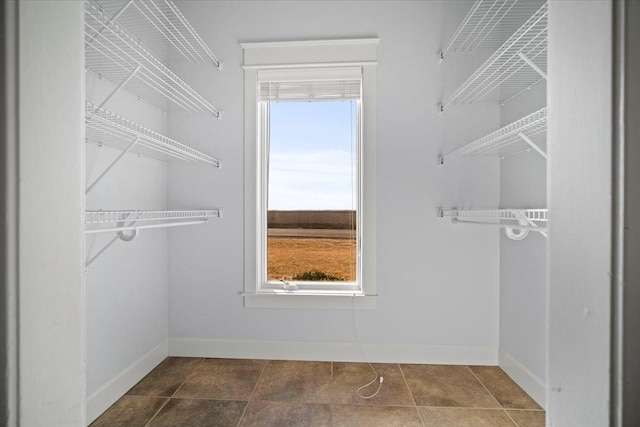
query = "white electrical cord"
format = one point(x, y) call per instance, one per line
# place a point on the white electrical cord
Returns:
point(378, 378)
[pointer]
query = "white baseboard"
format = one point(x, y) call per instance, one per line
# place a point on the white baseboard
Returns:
point(530, 383)
point(108, 394)
point(345, 352)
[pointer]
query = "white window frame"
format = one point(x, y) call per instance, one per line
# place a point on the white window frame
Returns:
point(308, 55)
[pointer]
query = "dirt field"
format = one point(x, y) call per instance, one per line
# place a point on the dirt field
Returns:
point(289, 256)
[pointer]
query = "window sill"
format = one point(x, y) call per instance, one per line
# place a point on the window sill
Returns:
point(310, 300)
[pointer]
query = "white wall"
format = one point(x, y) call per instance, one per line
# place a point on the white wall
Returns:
point(523, 263)
point(127, 285)
point(51, 337)
point(438, 283)
point(579, 185)
point(631, 385)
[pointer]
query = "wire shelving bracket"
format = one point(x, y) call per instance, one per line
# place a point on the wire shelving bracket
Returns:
point(105, 127)
point(516, 222)
point(162, 27)
point(518, 131)
point(517, 65)
point(488, 24)
point(112, 53)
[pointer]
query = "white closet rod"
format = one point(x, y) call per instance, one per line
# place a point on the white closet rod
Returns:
point(522, 221)
point(140, 227)
point(501, 225)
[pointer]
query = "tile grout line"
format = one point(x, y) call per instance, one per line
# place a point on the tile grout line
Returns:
point(511, 418)
point(173, 394)
point(331, 404)
point(187, 378)
point(253, 392)
point(411, 393)
point(464, 407)
point(491, 394)
point(158, 411)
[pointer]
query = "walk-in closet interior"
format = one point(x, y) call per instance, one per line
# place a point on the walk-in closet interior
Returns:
point(472, 109)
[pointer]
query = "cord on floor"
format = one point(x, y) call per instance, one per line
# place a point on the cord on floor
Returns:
point(378, 378)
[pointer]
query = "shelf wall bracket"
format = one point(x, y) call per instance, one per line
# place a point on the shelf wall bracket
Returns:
point(119, 236)
point(533, 145)
point(532, 65)
point(117, 159)
point(100, 252)
point(120, 86)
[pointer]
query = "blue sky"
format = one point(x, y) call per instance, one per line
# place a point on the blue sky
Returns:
point(312, 150)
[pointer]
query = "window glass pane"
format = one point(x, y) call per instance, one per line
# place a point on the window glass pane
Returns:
point(312, 191)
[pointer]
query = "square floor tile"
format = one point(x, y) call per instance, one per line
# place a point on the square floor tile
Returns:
point(262, 413)
point(375, 416)
point(130, 411)
point(347, 377)
point(199, 413)
point(446, 385)
point(166, 378)
point(294, 381)
point(223, 379)
point(464, 417)
point(528, 418)
point(503, 388)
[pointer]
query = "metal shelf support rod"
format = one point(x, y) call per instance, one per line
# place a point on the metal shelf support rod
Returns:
point(101, 251)
point(532, 65)
point(532, 144)
point(140, 227)
point(117, 159)
point(105, 247)
point(120, 86)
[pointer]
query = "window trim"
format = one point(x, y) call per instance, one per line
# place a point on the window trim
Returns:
point(310, 54)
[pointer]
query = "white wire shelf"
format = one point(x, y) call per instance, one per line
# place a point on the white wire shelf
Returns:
point(162, 27)
point(125, 223)
point(519, 64)
point(102, 217)
point(105, 127)
point(112, 53)
point(516, 134)
point(488, 24)
point(517, 223)
point(536, 215)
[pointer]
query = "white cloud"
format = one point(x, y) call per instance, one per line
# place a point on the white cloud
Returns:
point(319, 179)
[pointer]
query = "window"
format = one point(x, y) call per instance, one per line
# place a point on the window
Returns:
point(310, 174)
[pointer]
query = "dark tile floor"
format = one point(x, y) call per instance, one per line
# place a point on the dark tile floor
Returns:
point(232, 392)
